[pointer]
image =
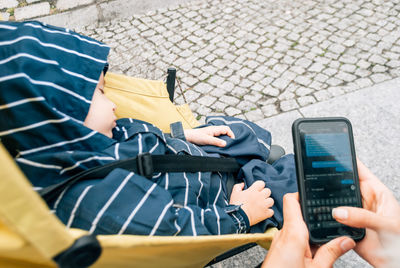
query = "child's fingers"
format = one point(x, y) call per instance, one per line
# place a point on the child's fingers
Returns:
point(266, 192)
point(270, 213)
point(258, 185)
point(269, 202)
point(230, 133)
point(223, 130)
point(238, 187)
point(209, 140)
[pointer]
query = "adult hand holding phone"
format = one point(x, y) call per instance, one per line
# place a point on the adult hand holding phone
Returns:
point(291, 248)
point(381, 214)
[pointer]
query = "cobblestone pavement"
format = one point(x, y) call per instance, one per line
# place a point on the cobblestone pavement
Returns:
point(254, 59)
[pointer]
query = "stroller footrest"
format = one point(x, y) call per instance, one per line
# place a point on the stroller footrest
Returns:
point(83, 253)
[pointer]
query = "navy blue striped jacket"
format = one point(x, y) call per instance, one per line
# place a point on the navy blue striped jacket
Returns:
point(47, 79)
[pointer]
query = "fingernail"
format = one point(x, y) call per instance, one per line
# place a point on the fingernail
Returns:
point(347, 244)
point(223, 143)
point(340, 213)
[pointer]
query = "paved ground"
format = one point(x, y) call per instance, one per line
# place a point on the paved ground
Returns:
point(270, 62)
point(256, 59)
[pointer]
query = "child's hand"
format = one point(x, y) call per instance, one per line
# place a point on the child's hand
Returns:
point(255, 201)
point(206, 135)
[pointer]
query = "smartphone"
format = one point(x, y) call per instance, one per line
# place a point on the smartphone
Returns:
point(327, 175)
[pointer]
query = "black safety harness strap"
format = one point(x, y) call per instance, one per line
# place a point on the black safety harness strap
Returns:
point(146, 165)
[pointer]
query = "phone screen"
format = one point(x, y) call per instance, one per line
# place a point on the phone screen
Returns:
point(330, 177)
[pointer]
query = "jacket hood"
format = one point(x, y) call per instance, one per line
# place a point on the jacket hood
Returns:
point(47, 79)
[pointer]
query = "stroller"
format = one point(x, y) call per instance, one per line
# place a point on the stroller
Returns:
point(31, 236)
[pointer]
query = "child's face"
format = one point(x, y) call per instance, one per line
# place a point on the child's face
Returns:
point(101, 115)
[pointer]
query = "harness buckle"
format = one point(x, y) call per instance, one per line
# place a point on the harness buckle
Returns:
point(145, 165)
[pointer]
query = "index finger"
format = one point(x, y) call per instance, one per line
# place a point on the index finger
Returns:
point(224, 130)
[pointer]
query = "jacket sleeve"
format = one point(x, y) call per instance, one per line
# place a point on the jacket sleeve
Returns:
point(126, 203)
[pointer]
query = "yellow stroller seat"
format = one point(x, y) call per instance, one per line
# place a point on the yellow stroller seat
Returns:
point(31, 236)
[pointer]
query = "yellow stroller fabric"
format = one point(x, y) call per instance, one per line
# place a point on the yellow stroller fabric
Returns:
point(30, 235)
point(146, 100)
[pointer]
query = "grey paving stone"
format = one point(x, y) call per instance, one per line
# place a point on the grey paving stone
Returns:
point(377, 59)
point(303, 62)
point(246, 106)
point(254, 115)
point(8, 4)
point(82, 16)
point(303, 91)
point(379, 77)
point(4, 16)
point(303, 80)
point(231, 111)
point(393, 63)
point(281, 83)
point(322, 95)
point(306, 100)
point(288, 105)
point(68, 4)
point(31, 11)
point(269, 110)
point(379, 69)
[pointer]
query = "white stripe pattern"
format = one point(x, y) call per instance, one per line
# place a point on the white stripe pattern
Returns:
point(172, 149)
point(65, 115)
point(65, 33)
point(34, 150)
point(38, 124)
point(78, 202)
point(186, 189)
point(153, 231)
point(7, 27)
point(94, 81)
point(86, 160)
point(215, 207)
point(240, 224)
point(154, 147)
point(201, 187)
point(52, 62)
point(166, 180)
point(20, 102)
point(26, 55)
point(178, 228)
point(140, 145)
point(36, 164)
point(133, 213)
point(116, 151)
point(43, 83)
point(69, 51)
point(187, 146)
point(108, 203)
point(60, 197)
point(192, 220)
point(125, 132)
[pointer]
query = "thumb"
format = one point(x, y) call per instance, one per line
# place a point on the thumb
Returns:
point(327, 254)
